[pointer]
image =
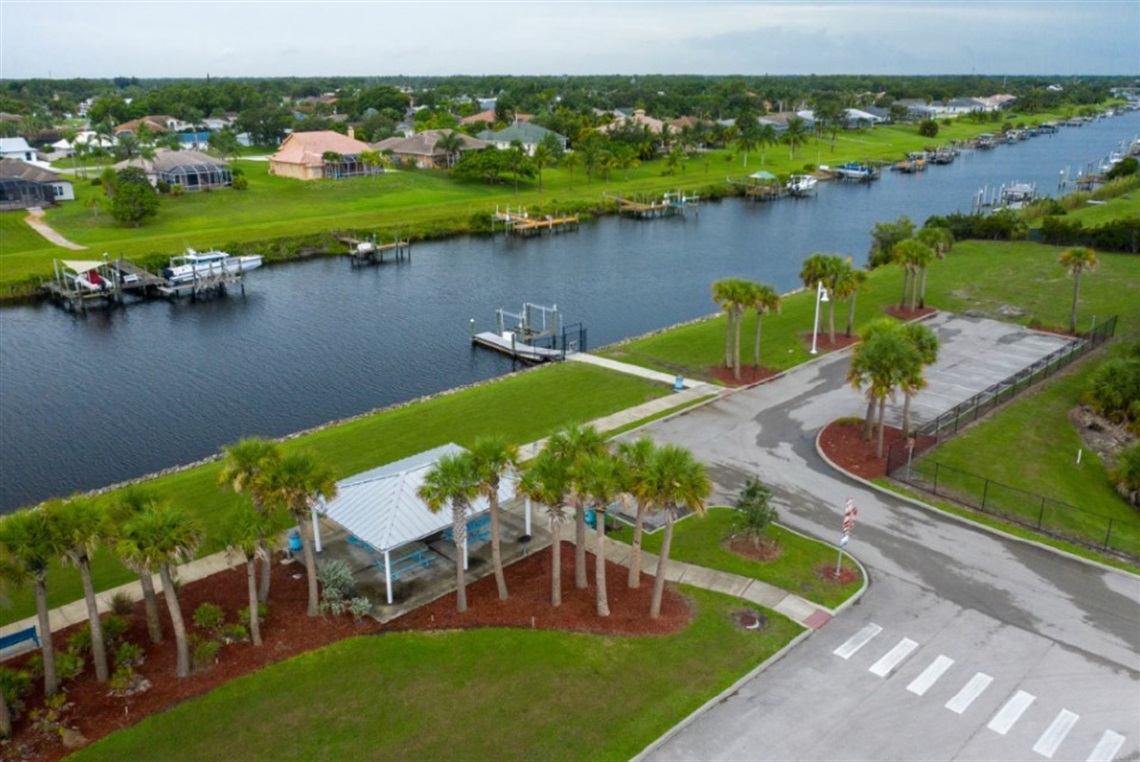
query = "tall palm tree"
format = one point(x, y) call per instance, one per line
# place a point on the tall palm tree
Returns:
point(452, 482)
point(245, 532)
point(880, 364)
point(542, 158)
point(722, 294)
point(79, 528)
point(747, 140)
point(913, 257)
point(795, 134)
point(637, 455)
point(570, 162)
point(601, 477)
point(1077, 261)
point(940, 241)
point(130, 503)
point(493, 458)
point(241, 468)
point(823, 269)
point(451, 143)
point(847, 285)
point(925, 343)
point(766, 136)
point(573, 444)
point(295, 482)
point(734, 295)
point(765, 299)
point(547, 480)
point(158, 539)
point(28, 539)
point(675, 478)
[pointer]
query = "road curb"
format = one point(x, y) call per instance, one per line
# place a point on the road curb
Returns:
point(963, 519)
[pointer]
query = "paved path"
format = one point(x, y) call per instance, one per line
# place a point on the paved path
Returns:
point(35, 219)
point(637, 370)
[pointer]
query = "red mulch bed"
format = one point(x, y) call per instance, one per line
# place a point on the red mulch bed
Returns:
point(905, 313)
point(846, 576)
point(844, 446)
point(824, 344)
point(288, 632)
point(767, 550)
point(749, 374)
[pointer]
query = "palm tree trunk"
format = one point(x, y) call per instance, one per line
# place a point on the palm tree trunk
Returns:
point(555, 562)
point(662, 562)
point(602, 599)
point(831, 321)
point(914, 290)
point(635, 558)
point(756, 342)
point(175, 609)
point(851, 313)
point(1076, 296)
point(310, 565)
point(98, 649)
point(869, 421)
point(737, 323)
point(266, 571)
point(879, 442)
point(906, 287)
point(47, 649)
point(906, 413)
point(459, 533)
point(254, 619)
point(150, 603)
point(5, 717)
point(580, 546)
point(922, 291)
point(728, 340)
point(496, 549)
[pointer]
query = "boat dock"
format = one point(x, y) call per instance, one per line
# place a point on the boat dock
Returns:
point(519, 222)
point(369, 252)
point(535, 334)
point(670, 205)
point(79, 285)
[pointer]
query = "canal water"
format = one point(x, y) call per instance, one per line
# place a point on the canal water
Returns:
point(87, 401)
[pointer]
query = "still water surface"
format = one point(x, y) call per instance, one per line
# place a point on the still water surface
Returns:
point(89, 401)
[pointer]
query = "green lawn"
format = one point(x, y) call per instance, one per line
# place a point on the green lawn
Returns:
point(698, 540)
point(487, 694)
point(522, 408)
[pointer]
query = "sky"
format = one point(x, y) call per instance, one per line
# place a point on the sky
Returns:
point(232, 38)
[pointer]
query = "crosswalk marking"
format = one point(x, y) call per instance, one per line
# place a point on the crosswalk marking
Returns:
point(1107, 747)
point(857, 641)
point(1011, 712)
point(921, 684)
point(892, 658)
point(1053, 736)
point(970, 691)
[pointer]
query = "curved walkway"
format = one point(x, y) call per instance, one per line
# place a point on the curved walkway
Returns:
point(35, 220)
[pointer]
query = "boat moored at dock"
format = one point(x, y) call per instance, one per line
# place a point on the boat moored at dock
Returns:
point(194, 265)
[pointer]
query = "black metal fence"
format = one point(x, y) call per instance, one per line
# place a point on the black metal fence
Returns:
point(1019, 506)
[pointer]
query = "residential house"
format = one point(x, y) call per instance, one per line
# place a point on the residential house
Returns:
point(16, 148)
point(422, 149)
point(153, 124)
point(487, 116)
point(635, 119)
point(302, 155)
point(24, 185)
point(529, 135)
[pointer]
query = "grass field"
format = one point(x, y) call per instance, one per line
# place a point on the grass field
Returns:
point(697, 540)
point(478, 694)
point(521, 408)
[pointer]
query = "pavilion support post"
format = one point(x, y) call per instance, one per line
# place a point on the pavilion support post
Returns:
point(464, 551)
point(316, 530)
point(388, 574)
point(528, 516)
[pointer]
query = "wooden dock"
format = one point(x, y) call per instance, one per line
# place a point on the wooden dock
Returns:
point(369, 252)
point(519, 222)
point(670, 205)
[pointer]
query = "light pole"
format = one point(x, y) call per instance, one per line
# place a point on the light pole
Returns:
point(820, 296)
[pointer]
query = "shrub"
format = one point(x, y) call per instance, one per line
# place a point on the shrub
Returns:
point(162, 186)
point(928, 128)
point(51, 718)
point(333, 602)
point(14, 685)
point(80, 641)
point(754, 511)
point(210, 616)
point(335, 574)
point(124, 681)
point(359, 607)
point(204, 654)
point(234, 633)
point(1114, 390)
point(122, 604)
point(176, 189)
point(1126, 475)
point(114, 628)
point(69, 665)
point(240, 183)
point(1129, 166)
point(129, 655)
point(262, 613)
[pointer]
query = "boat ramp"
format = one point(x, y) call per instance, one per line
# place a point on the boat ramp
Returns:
point(535, 334)
point(519, 222)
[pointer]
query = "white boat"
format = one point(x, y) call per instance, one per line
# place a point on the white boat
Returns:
point(194, 264)
point(801, 185)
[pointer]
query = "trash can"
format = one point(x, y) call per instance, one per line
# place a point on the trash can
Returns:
point(679, 383)
point(294, 541)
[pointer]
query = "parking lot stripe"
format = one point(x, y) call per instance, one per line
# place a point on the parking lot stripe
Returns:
point(892, 658)
point(970, 691)
point(1047, 744)
point(857, 641)
point(1011, 712)
point(1106, 747)
point(930, 675)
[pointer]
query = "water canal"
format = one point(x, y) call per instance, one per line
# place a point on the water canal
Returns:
point(91, 400)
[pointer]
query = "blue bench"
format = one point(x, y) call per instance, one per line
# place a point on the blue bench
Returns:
point(20, 636)
point(478, 530)
point(419, 559)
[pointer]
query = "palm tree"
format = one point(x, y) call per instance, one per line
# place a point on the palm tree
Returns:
point(766, 136)
point(492, 458)
point(846, 286)
point(675, 478)
point(573, 444)
point(570, 161)
point(542, 158)
point(11, 576)
point(451, 143)
point(940, 241)
point(734, 295)
point(130, 503)
point(296, 482)
point(547, 480)
point(765, 299)
point(241, 469)
point(452, 482)
point(925, 343)
point(825, 269)
point(912, 256)
point(880, 364)
point(601, 477)
point(795, 134)
point(158, 539)
point(79, 528)
point(28, 539)
point(747, 141)
point(1077, 260)
point(245, 533)
point(637, 455)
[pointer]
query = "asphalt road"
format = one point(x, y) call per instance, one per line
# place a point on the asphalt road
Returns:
point(967, 645)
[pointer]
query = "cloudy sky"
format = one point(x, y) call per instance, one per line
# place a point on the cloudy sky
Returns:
point(229, 38)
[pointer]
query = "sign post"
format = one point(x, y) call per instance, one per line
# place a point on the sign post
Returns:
point(849, 514)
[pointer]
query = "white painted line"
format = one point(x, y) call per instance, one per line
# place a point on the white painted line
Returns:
point(1054, 734)
point(857, 641)
point(930, 675)
point(891, 659)
point(970, 691)
point(1011, 712)
point(1107, 747)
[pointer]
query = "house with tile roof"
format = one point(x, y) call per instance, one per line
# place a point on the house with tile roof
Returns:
point(302, 155)
point(487, 116)
point(422, 149)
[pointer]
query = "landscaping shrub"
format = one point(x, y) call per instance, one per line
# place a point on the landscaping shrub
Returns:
point(1126, 475)
point(755, 513)
point(262, 613)
point(335, 575)
point(1114, 391)
point(210, 616)
point(14, 685)
point(69, 665)
point(129, 655)
point(234, 632)
point(122, 604)
point(204, 653)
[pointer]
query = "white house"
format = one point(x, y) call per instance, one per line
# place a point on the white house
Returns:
point(16, 148)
